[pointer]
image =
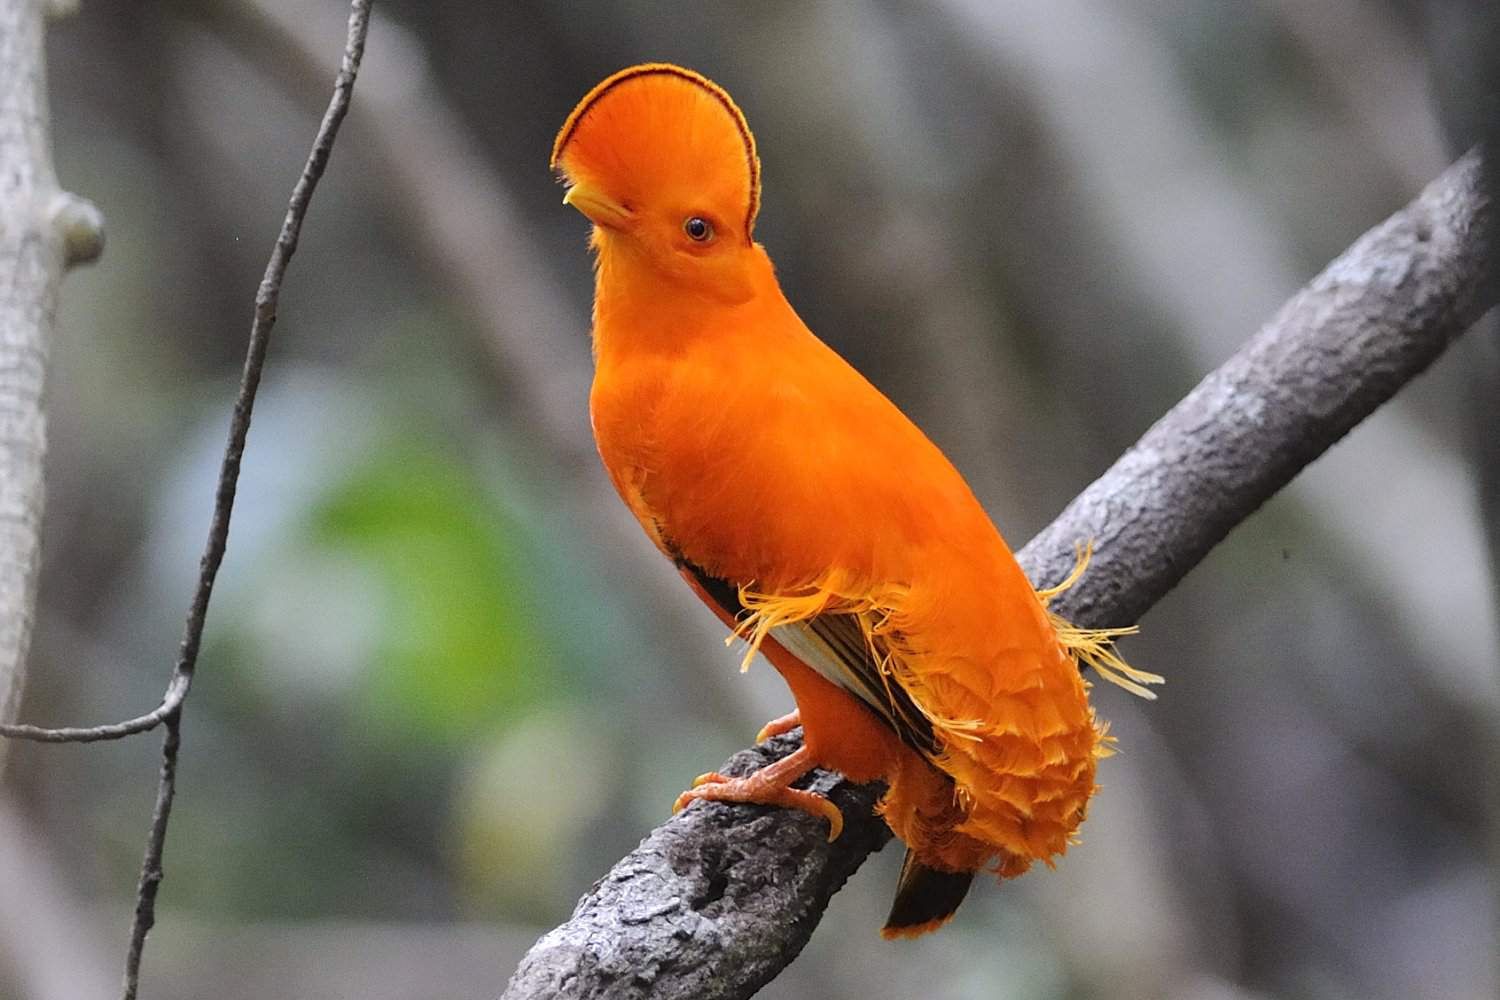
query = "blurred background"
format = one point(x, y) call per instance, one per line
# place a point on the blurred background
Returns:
point(446, 683)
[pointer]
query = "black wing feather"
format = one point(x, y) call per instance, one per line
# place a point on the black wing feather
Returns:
point(850, 662)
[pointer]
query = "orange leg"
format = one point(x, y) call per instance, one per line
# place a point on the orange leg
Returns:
point(770, 786)
point(776, 727)
point(841, 732)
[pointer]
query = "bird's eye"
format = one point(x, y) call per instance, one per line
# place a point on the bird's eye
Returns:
point(698, 229)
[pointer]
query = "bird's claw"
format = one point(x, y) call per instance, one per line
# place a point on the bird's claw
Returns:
point(715, 787)
point(706, 778)
point(776, 727)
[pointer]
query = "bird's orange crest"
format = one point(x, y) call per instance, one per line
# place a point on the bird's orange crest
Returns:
point(664, 128)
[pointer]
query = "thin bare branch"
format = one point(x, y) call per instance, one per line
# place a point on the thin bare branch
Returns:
point(717, 900)
point(266, 299)
point(176, 690)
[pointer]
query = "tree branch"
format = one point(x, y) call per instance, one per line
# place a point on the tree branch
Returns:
point(717, 900)
point(1372, 321)
point(43, 230)
point(267, 297)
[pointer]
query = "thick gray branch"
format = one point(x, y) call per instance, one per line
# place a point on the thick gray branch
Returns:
point(720, 898)
point(1372, 321)
point(714, 903)
point(42, 231)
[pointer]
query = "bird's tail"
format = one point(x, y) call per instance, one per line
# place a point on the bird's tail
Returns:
point(926, 899)
point(1095, 647)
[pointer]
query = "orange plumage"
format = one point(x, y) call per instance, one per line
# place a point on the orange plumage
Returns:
point(814, 518)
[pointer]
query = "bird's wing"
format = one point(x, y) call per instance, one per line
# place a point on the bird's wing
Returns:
point(836, 646)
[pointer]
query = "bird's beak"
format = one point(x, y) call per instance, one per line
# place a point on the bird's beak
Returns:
point(600, 210)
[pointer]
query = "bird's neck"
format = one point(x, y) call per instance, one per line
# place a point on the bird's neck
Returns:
point(639, 308)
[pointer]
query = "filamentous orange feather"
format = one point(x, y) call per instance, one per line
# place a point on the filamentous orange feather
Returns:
point(814, 518)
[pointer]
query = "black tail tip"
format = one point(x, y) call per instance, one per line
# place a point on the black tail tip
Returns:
point(926, 899)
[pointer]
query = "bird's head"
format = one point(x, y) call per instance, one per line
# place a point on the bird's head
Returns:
point(661, 161)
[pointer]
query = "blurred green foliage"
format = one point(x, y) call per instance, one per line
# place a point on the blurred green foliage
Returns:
point(456, 651)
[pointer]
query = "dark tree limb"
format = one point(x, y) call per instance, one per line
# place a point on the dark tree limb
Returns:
point(720, 898)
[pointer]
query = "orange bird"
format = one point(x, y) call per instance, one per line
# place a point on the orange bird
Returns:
point(815, 519)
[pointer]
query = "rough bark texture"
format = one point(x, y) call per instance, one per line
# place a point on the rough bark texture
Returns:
point(42, 230)
point(720, 898)
point(1370, 322)
point(746, 884)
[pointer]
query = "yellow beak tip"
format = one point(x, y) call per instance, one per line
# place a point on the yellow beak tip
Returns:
point(599, 209)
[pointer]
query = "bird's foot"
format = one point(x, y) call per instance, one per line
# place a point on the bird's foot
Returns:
point(769, 786)
point(776, 727)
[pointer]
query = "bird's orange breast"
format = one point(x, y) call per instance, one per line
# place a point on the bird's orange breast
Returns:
point(775, 460)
